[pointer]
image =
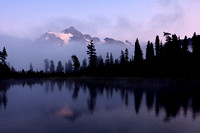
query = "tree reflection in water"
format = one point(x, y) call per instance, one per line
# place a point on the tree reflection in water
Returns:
point(172, 96)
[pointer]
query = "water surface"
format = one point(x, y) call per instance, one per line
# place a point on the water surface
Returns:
point(99, 106)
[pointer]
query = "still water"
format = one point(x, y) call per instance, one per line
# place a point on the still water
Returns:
point(99, 106)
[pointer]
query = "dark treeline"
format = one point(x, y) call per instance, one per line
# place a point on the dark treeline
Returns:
point(174, 58)
point(167, 98)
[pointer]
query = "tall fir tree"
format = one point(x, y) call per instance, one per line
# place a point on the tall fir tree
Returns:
point(107, 61)
point(116, 61)
point(31, 67)
point(157, 46)
point(126, 55)
point(111, 59)
point(122, 57)
point(52, 67)
point(149, 52)
point(92, 54)
point(46, 65)
point(68, 66)
point(60, 67)
point(138, 55)
point(196, 45)
point(100, 62)
point(84, 63)
point(3, 56)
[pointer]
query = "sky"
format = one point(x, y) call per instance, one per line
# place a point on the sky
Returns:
point(119, 19)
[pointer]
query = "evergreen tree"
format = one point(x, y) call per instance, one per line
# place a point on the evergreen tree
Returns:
point(122, 57)
point(4, 68)
point(111, 59)
point(92, 54)
point(126, 55)
point(100, 62)
point(172, 48)
point(12, 69)
point(149, 52)
point(107, 61)
point(52, 67)
point(168, 37)
point(196, 45)
point(3, 56)
point(76, 63)
point(60, 67)
point(157, 46)
point(84, 63)
point(185, 46)
point(116, 61)
point(68, 67)
point(177, 45)
point(138, 56)
point(31, 67)
point(46, 65)
point(161, 49)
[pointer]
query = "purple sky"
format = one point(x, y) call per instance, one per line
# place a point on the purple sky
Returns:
point(120, 19)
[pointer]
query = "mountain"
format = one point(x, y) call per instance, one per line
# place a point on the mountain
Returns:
point(72, 35)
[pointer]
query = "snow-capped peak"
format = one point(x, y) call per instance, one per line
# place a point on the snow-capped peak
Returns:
point(63, 36)
point(71, 35)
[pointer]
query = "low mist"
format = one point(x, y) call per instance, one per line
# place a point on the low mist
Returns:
point(22, 52)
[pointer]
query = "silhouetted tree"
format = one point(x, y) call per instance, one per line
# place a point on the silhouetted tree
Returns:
point(107, 61)
point(116, 61)
point(157, 46)
point(132, 58)
point(122, 57)
point(3, 56)
point(196, 45)
point(176, 45)
point(76, 63)
point(185, 46)
point(46, 65)
point(68, 67)
point(84, 63)
point(4, 68)
point(168, 36)
point(60, 67)
point(138, 56)
point(172, 48)
point(149, 52)
point(23, 72)
point(12, 69)
point(126, 55)
point(161, 49)
point(100, 62)
point(31, 67)
point(92, 54)
point(111, 59)
point(52, 67)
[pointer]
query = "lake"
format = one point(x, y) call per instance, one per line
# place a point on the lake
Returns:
point(99, 106)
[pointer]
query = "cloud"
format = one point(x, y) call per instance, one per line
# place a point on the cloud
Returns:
point(168, 20)
point(120, 28)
